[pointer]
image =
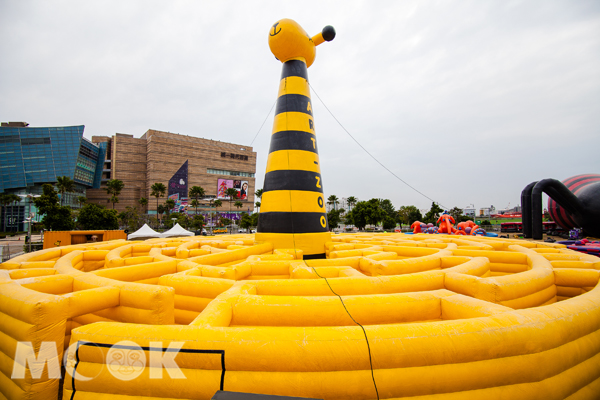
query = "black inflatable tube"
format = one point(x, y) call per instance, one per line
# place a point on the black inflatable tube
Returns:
point(526, 211)
point(560, 193)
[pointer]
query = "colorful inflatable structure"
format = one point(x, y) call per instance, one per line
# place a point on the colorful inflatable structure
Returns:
point(585, 246)
point(446, 225)
point(294, 311)
point(575, 202)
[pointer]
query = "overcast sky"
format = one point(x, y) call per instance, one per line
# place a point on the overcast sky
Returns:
point(467, 101)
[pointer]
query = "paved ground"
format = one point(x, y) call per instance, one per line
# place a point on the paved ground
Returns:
point(14, 245)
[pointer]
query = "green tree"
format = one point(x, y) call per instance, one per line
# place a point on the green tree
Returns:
point(546, 215)
point(81, 200)
point(333, 218)
point(433, 214)
point(56, 217)
point(196, 192)
point(197, 222)
point(95, 217)
point(232, 194)
point(162, 208)
point(387, 206)
point(143, 202)
point(258, 193)
point(158, 190)
point(358, 215)
point(332, 201)
point(258, 205)
point(375, 213)
point(414, 215)
point(456, 213)
point(254, 217)
point(388, 223)
point(5, 200)
point(405, 214)
point(64, 184)
point(195, 203)
point(245, 221)
point(170, 203)
point(180, 218)
point(238, 204)
point(218, 203)
point(131, 218)
point(351, 202)
point(224, 221)
point(114, 188)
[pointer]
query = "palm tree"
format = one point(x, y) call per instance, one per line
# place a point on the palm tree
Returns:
point(81, 200)
point(232, 194)
point(195, 203)
point(351, 202)
point(332, 200)
point(196, 192)
point(114, 187)
point(258, 205)
point(238, 204)
point(218, 203)
point(170, 203)
point(258, 193)
point(158, 190)
point(143, 202)
point(64, 184)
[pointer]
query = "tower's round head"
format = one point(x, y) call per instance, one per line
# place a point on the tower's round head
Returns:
point(287, 41)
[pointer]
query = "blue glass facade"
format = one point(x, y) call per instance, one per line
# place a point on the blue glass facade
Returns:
point(32, 156)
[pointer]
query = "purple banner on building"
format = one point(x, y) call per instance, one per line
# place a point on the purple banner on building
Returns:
point(178, 184)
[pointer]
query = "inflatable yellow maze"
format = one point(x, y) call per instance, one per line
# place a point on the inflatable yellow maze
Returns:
point(384, 315)
point(297, 311)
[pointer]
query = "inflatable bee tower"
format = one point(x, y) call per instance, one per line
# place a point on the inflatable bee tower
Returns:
point(293, 211)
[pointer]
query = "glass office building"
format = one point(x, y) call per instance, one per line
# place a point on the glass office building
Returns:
point(32, 156)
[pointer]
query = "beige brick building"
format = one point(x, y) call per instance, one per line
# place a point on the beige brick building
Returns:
point(157, 156)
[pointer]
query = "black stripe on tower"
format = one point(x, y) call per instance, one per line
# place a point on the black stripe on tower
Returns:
point(294, 68)
point(292, 222)
point(293, 103)
point(293, 140)
point(291, 179)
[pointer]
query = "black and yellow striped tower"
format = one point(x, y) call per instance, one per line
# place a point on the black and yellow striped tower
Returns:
point(292, 212)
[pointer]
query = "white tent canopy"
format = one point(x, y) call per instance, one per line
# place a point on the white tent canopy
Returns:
point(176, 231)
point(145, 232)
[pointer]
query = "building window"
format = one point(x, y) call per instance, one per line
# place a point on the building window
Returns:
point(9, 139)
point(30, 141)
